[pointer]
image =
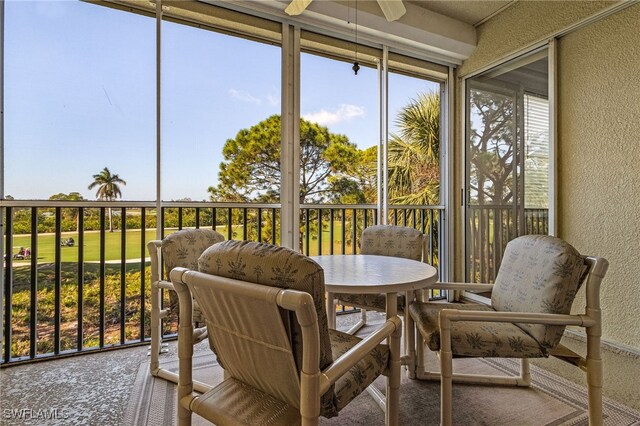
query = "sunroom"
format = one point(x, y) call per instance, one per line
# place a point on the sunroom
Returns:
point(472, 122)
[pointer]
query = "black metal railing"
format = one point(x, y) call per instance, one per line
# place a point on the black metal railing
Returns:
point(81, 282)
point(490, 228)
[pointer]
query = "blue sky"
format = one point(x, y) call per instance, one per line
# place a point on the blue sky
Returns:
point(80, 95)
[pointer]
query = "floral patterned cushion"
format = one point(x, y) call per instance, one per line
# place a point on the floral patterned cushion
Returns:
point(471, 338)
point(363, 373)
point(396, 241)
point(277, 267)
point(374, 302)
point(385, 240)
point(182, 249)
point(542, 274)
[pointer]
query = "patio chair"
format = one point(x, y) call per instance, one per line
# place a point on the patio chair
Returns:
point(530, 308)
point(384, 240)
point(264, 309)
point(182, 248)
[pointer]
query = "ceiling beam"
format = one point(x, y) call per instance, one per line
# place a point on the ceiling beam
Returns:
point(420, 32)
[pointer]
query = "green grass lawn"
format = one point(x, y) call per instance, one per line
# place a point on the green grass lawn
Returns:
point(47, 246)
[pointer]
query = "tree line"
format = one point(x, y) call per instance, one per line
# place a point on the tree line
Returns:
point(332, 170)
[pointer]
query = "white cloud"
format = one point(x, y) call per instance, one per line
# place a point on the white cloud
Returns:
point(346, 113)
point(243, 96)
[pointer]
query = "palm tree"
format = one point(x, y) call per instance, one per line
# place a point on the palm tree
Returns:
point(414, 169)
point(108, 188)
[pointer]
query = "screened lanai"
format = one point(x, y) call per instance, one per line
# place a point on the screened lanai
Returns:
point(473, 122)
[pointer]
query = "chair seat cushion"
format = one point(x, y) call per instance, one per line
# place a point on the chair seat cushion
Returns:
point(373, 302)
point(474, 338)
point(363, 373)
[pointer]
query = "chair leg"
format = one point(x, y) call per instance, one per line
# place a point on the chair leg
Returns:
point(594, 376)
point(309, 398)
point(446, 372)
point(409, 337)
point(331, 310)
point(392, 411)
point(421, 373)
point(357, 326)
point(156, 334)
point(185, 357)
point(420, 369)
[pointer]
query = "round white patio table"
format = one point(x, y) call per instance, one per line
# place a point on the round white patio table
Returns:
point(364, 273)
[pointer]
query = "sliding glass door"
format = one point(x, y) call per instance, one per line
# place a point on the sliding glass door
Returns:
point(507, 160)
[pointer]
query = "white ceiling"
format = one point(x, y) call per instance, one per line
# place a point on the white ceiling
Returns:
point(471, 12)
point(438, 30)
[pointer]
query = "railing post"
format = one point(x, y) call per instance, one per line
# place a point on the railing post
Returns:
point(143, 256)
point(354, 230)
point(160, 221)
point(102, 274)
point(80, 339)
point(343, 232)
point(8, 284)
point(57, 282)
point(364, 223)
point(307, 224)
point(259, 225)
point(431, 236)
point(33, 312)
point(331, 218)
point(123, 273)
point(273, 226)
point(319, 213)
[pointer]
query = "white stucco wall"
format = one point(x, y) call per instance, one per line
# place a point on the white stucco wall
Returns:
point(522, 24)
point(599, 138)
point(599, 160)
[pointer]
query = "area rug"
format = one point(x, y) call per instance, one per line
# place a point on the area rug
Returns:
point(550, 400)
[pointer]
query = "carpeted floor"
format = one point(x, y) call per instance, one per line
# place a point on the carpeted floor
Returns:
point(551, 400)
point(115, 388)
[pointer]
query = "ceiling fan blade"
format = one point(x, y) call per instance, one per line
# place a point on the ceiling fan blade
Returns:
point(392, 9)
point(296, 7)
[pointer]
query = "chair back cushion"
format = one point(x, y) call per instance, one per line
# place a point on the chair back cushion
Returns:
point(542, 274)
point(183, 248)
point(283, 268)
point(389, 240)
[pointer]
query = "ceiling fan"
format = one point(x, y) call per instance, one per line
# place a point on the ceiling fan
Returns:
point(392, 9)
